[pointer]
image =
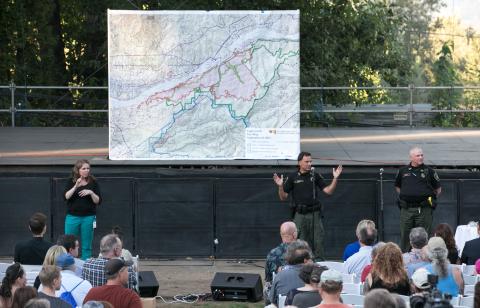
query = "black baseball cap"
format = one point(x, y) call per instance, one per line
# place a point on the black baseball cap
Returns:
point(113, 266)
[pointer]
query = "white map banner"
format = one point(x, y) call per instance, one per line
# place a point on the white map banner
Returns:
point(188, 85)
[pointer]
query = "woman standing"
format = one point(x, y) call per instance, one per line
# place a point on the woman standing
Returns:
point(83, 195)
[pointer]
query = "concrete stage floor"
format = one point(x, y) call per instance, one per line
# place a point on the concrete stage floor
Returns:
point(329, 146)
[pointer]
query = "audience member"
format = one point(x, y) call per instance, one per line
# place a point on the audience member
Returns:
point(298, 253)
point(276, 256)
point(331, 284)
point(356, 262)
point(417, 256)
point(477, 266)
point(93, 269)
point(97, 304)
point(52, 254)
point(77, 286)
point(22, 296)
point(450, 278)
point(51, 280)
point(71, 244)
point(307, 296)
point(379, 298)
point(471, 250)
point(388, 271)
point(418, 239)
point(126, 255)
point(366, 270)
point(420, 282)
point(38, 303)
point(14, 279)
point(354, 247)
point(32, 252)
point(444, 231)
point(115, 291)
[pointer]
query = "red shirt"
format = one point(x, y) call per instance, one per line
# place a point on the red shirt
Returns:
point(118, 296)
point(365, 272)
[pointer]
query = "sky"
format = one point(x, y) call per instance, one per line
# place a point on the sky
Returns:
point(467, 10)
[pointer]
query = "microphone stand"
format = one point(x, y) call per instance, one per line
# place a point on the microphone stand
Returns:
point(381, 204)
point(314, 195)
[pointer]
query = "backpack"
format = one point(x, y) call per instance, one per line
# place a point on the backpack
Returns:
point(68, 296)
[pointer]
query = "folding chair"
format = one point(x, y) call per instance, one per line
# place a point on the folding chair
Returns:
point(332, 265)
point(352, 288)
point(467, 301)
point(352, 299)
point(469, 289)
point(470, 279)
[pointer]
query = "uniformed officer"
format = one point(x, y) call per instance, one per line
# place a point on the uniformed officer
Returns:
point(308, 211)
point(418, 186)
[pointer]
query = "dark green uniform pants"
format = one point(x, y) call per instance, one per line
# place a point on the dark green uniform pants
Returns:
point(310, 229)
point(411, 218)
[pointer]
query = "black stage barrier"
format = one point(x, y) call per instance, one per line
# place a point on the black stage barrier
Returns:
point(19, 199)
point(175, 216)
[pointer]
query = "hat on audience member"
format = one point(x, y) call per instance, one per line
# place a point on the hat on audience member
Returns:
point(331, 275)
point(420, 279)
point(477, 266)
point(436, 243)
point(64, 261)
point(113, 266)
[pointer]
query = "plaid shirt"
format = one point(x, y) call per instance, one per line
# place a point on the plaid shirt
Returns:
point(94, 272)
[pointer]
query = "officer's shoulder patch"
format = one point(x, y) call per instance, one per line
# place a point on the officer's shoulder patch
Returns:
point(435, 176)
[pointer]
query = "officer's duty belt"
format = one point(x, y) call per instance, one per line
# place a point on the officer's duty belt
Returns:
point(406, 204)
point(305, 209)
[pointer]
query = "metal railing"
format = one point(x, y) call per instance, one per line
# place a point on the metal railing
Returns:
point(411, 110)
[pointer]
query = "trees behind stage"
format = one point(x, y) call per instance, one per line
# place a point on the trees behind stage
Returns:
point(343, 43)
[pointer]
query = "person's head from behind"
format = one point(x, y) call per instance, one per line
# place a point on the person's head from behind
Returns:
point(97, 304)
point(23, 295)
point(116, 270)
point(70, 243)
point(476, 294)
point(331, 284)
point(379, 298)
point(288, 232)
point(110, 246)
point(310, 273)
point(437, 252)
point(14, 276)
point(375, 249)
point(388, 264)
point(363, 224)
point(37, 303)
point(50, 277)
point(444, 231)
point(298, 252)
point(65, 262)
point(367, 236)
point(53, 253)
point(418, 238)
point(477, 266)
point(420, 281)
point(38, 224)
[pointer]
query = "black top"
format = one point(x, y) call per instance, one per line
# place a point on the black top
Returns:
point(402, 287)
point(301, 186)
point(82, 206)
point(453, 256)
point(304, 299)
point(55, 302)
point(31, 252)
point(471, 252)
point(417, 183)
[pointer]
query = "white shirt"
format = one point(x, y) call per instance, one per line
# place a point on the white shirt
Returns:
point(356, 262)
point(69, 281)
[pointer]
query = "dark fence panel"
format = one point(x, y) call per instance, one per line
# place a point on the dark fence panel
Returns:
point(19, 199)
point(248, 216)
point(469, 201)
point(352, 201)
point(174, 217)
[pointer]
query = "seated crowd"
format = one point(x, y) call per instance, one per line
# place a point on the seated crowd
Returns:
point(66, 281)
point(385, 276)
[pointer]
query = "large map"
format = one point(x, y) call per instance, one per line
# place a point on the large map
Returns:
point(192, 85)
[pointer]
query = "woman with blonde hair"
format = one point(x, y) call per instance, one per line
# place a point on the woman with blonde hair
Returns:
point(82, 194)
point(52, 254)
point(388, 271)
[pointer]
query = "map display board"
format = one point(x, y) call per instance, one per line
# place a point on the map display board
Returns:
point(198, 85)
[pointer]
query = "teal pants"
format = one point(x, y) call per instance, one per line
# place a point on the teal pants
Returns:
point(310, 229)
point(82, 227)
